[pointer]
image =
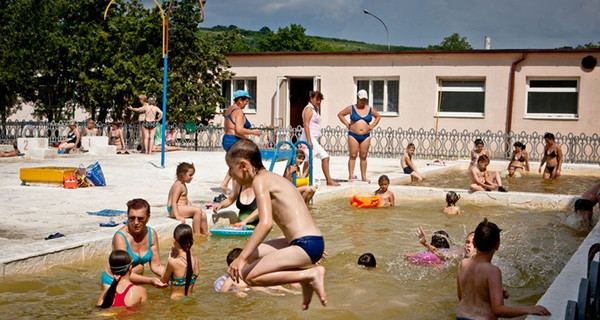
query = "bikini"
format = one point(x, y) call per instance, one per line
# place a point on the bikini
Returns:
point(314, 246)
point(180, 282)
point(230, 139)
point(354, 117)
point(120, 297)
point(115, 139)
point(521, 159)
point(552, 155)
point(135, 259)
point(246, 209)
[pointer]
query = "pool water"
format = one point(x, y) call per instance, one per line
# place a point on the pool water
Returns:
point(528, 182)
point(535, 247)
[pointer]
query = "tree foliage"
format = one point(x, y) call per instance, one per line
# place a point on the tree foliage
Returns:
point(57, 54)
point(290, 38)
point(453, 42)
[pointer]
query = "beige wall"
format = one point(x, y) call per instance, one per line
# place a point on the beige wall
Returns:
point(418, 74)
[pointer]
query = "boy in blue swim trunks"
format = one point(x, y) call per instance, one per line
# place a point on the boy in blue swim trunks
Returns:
point(277, 261)
point(407, 164)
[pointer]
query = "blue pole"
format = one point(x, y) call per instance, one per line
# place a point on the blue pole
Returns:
point(164, 109)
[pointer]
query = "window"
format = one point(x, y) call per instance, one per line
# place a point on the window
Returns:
point(552, 98)
point(383, 94)
point(461, 98)
point(233, 85)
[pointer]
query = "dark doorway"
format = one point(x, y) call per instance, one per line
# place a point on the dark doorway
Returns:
point(299, 89)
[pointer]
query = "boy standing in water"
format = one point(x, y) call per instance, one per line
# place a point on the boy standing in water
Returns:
point(276, 261)
point(479, 282)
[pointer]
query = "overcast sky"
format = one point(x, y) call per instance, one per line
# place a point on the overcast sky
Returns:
point(511, 24)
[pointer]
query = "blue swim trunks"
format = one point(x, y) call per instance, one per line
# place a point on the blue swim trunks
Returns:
point(359, 137)
point(312, 245)
point(407, 170)
point(229, 140)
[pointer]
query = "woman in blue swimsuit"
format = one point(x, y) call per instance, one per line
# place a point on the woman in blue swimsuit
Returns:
point(236, 126)
point(141, 242)
point(362, 120)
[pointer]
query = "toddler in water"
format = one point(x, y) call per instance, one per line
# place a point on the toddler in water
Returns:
point(367, 260)
point(451, 199)
point(386, 196)
point(276, 261)
point(178, 203)
point(182, 266)
point(122, 293)
point(408, 166)
point(301, 170)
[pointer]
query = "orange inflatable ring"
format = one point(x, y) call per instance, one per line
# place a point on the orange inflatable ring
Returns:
point(365, 202)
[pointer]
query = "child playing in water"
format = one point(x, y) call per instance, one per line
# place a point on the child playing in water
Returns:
point(478, 151)
point(386, 196)
point(510, 173)
point(276, 261)
point(226, 284)
point(479, 282)
point(481, 180)
point(122, 293)
point(451, 199)
point(367, 260)
point(438, 251)
point(584, 206)
point(408, 166)
point(182, 266)
point(301, 170)
point(178, 204)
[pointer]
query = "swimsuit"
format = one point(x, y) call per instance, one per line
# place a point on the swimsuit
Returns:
point(246, 209)
point(149, 124)
point(354, 117)
point(408, 170)
point(552, 154)
point(71, 138)
point(106, 279)
point(584, 205)
point(120, 297)
point(180, 282)
point(312, 245)
point(521, 159)
point(169, 209)
point(230, 139)
point(462, 318)
point(549, 169)
point(135, 259)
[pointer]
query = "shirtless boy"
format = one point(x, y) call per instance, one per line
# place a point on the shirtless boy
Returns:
point(584, 206)
point(481, 180)
point(408, 166)
point(276, 261)
point(479, 282)
point(386, 196)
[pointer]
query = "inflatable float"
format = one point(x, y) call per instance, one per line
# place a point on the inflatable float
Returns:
point(232, 230)
point(365, 202)
point(301, 182)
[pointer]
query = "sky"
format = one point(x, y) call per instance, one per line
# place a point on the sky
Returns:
point(511, 24)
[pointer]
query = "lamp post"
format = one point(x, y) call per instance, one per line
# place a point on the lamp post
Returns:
point(386, 28)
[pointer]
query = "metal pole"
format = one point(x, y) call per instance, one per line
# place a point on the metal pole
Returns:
point(164, 110)
point(386, 28)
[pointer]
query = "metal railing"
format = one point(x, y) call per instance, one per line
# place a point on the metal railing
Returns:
point(385, 143)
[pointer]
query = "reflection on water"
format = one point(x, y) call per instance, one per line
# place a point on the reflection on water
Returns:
point(535, 246)
point(528, 182)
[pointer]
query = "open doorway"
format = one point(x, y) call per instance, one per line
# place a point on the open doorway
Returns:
point(299, 89)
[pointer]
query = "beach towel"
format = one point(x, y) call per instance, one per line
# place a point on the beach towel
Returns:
point(107, 212)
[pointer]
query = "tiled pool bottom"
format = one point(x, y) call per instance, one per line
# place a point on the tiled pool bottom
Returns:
point(395, 290)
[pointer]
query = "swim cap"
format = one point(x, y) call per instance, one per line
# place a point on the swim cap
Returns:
point(240, 94)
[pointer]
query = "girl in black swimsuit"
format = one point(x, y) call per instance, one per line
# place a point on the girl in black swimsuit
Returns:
point(553, 158)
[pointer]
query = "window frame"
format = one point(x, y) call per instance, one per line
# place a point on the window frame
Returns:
point(384, 112)
point(246, 110)
point(453, 114)
point(551, 116)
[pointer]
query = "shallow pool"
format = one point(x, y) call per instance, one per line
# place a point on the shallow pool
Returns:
point(528, 182)
point(535, 246)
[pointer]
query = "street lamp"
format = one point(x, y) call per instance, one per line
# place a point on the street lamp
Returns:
point(386, 29)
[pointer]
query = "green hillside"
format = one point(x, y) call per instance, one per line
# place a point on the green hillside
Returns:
point(248, 41)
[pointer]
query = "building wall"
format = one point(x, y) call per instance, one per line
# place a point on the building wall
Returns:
point(418, 74)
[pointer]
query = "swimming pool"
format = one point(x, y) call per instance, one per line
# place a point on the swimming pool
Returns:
point(395, 289)
point(569, 183)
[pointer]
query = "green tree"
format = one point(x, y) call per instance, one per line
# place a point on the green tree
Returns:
point(590, 45)
point(453, 42)
point(290, 38)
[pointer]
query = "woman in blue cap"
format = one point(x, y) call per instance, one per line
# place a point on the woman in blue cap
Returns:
point(236, 126)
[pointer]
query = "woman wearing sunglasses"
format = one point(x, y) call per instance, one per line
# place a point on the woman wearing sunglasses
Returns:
point(141, 242)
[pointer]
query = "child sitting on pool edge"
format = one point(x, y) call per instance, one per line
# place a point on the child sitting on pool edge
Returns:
point(408, 166)
point(122, 293)
point(386, 196)
point(479, 282)
point(178, 203)
point(261, 264)
point(451, 200)
point(182, 266)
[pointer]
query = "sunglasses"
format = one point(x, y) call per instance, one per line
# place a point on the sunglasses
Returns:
point(136, 218)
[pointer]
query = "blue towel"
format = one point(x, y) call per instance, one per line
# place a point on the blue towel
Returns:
point(107, 212)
